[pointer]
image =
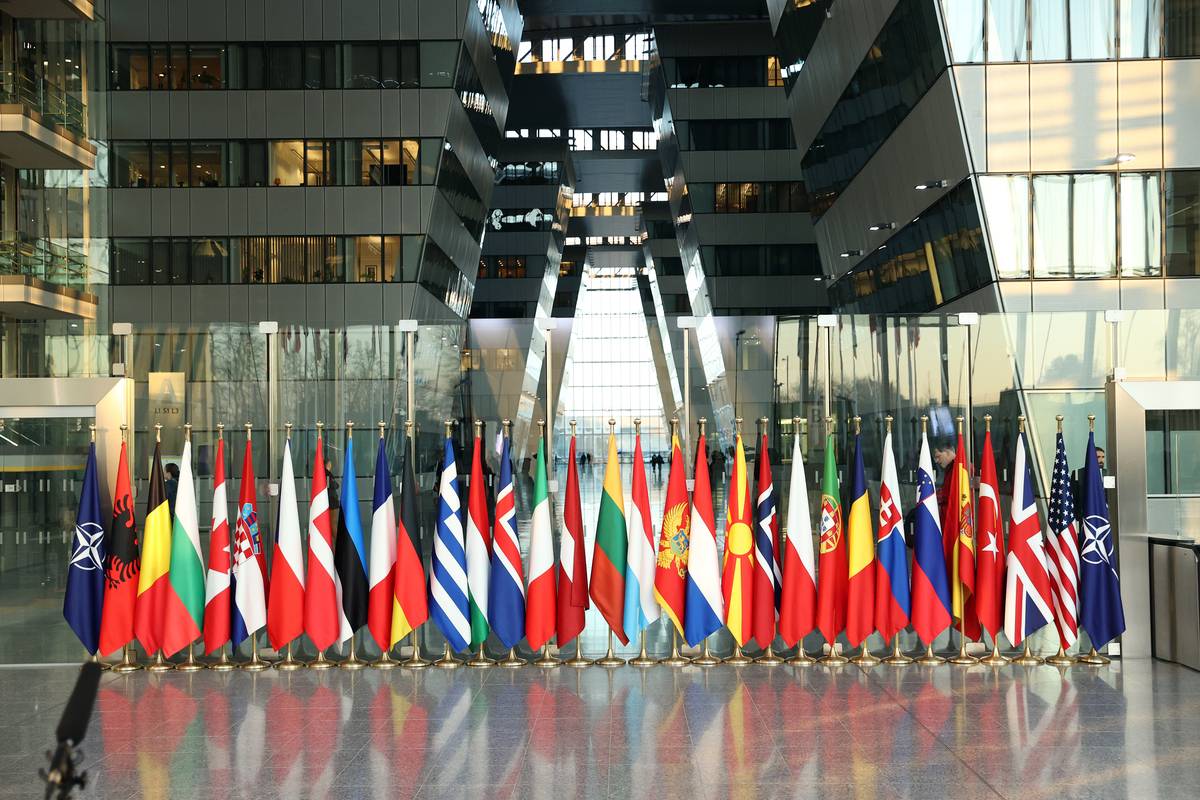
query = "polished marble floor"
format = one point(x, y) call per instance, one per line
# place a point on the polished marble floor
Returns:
point(1128, 730)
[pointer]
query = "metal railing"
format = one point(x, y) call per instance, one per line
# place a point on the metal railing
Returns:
point(53, 103)
point(47, 260)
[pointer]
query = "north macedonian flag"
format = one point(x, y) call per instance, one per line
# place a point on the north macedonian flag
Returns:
point(737, 568)
point(608, 557)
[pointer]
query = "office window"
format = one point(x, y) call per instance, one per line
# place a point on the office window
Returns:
point(365, 261)
point(285, 66)
point(964, 29)
point(130, 67)
point(398, 65)
point(131, 164)
point(1048, 20)
point(286, 162)
point(253, 67)
point(1006, 31)
point(1006, 208)
point(160, 67)
point(1182, 23)
point(209, 260)
point(1183, 222)
point(438, 62)
point(207, 67)
point(1141, 28)
point(1074, 225)
point(130, 262)
point(1141, 225)
point(319, 163)
point(160, 261)
point(1093, 29)
point(248, 163)
point(179, 169)
point(360, 65)
point(320, 66)
point(207, 164)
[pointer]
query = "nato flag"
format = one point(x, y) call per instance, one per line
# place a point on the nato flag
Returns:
point(1101, 613)
point(84, 600)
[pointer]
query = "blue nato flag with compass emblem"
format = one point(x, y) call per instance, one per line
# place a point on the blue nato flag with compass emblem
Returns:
point(84, 600)
point(1101, 613)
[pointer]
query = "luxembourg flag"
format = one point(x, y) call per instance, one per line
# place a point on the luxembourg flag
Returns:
point(704, 609)
point(641, 609)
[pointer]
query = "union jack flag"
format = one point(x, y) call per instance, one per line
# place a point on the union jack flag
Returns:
point(1027, 595)
point(1062, 552)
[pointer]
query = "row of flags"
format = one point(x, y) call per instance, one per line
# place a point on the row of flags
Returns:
point(761, 585)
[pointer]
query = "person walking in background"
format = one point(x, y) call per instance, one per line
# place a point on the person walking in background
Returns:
point(172, 486)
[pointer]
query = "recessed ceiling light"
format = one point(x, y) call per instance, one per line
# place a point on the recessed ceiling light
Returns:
point(939, 183)
point(850, 253)
point(882, 226)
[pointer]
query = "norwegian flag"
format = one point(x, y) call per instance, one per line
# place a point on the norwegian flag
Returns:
point(1027, 603)
point(1062, 551)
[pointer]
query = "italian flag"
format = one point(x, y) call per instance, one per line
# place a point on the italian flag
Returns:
point(540, 602)
point(612, 546)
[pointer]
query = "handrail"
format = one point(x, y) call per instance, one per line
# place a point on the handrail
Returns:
point(46, 260)
point(55, 104)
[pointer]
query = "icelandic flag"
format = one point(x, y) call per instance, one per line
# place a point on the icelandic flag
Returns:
point(891, 572)
point(448, 583)
point(930, 583)
point(1100, 612)
point(704, 607)
point(84, 600)
point(1027, 603)
point(506, 587)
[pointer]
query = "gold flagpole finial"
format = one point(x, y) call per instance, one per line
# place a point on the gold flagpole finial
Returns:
point(612, 424)
point(737, 427)
point(158, 432)
point(542, 427)
point(572, 425)
point(987, 423)
point(506, 426)
point(187, 431)
point(249, 427)
point(887, 422)
point(1092, 423)
point(221, 431)
point(382, 426)
point(674, 424)
point(1021, 424)
point(92, 432)
point(924, 423)
point(702, 422)
point(857, 425)
point(349, 429)
point(478, 428)
point(320, 427)
point(1059, 418)
point(958, 423)
point(762, 426)
point(287, 430)
point(449, 423)
point(637, 426)
point(408, 426)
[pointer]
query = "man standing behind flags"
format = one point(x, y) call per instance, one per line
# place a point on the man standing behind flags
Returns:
point(1062, 552)
point(506, 586)
point(540, 605)
point(154, 592)
point(612, 544)
point(186, 585)
point(832, 590)
point(640, 608)
point(349, 556)
point(703, 606)
point(248, 578)
point(285, 607)
point(891, 572)
point(737, 568)
point(83, 603)
point(448, 582)
point(768, 578)
point(1100, 612)
point(479, 549)
point(321, 588)
point(958, 541)
point(383, 553)
point(798, 611)
point(572, 559)
point(121, 564)
point(930, 583)
point(989, 577)
point(410, 606)
point(1027, 596)
point(860, 551)
point(218, 612)
point(670, 574)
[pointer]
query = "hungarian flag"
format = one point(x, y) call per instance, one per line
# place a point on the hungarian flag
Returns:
point(608, 555)
point(768, 577)
point(383, 553)
point(930, 583)
point(572, 560)
point(989, 577)
point(186, 606)
point(798, 608)
point(540, 606)
point(670, 574)
point(83, 603)
point(860, 547)
point(892, 604)
point(321, 588)
point(285, 608)
point(249, 572)
point(217, 594)
point(640, 608)
point(833, 569)
point(349, 553)
point(154, 598)
point(506, 584)
point(410, 606)
point(958, 542)
point(704, 606)
point(479, 548)
point(737, 566)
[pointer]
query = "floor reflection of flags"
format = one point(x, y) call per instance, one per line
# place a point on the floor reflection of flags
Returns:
point(450, 744)
point(507, 751)
point(325, 710)
point(163, 718)
point(745, 744)
point(287, 718)
point(932, 707)
point(397, 752)
point(706, 719)
point(571, 729)
point(543, 743)
point(249, 746)
point(217, 737)
point(114, 712)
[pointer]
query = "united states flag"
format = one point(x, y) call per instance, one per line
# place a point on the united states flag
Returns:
point(1062, 551)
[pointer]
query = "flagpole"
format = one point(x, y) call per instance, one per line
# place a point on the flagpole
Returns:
point(801, 659)
point(1059, 659)
point(737, 658)
point(191, 664)
point(385, 660)
point(447, 661)
point(480, 660)
point(578, 660)
point(768, 656)
point(128, 662)
point(160, 664)
point(930, 659)
point(255, 664)
point(415, 661)
point(642, 659)
point(675, 659)
point(351, 661)
point(223, 664)
point(95, 657)
point(289, 662)
point(897, 658)
point(864, 658)
point(610, 659)
point(962, 659)
point(705, 659)
point(994, 659)
point(834, 657)
point(321, 662)
point(1093, 658)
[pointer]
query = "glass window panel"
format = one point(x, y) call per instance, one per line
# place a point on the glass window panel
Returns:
point(410, 72)
point(964, 29)
point(256, 163)
point(364, 259)
point(131, 262)
point(1094, 209)
point(285, 67)
point(131, 67)
point(318, 163)
point(208, 164)
point(1051, 226)
point(210, 260)
point(207, 67)
point(410, 157)
point(160, 161)
point(1006, 207)
point(437, 63)
point(179, 165)
point(254, 66)
point(1183, 222)
point(1182, 20)
point(1093, 25)
point(1141, 225)
point(180, 261)
point(1049, 35)
point(131, 164)
point(160, 261)
point(389, 68)
point(360, 65)
point(431, 150)
point(286, 166)
point(320, 65)
point(252, 259)
point(1141, 28)
point(160, 68)
point(392, 255)
point(1006, 30)
point(179, 67)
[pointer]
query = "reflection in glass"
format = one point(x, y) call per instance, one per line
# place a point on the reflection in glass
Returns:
point(1183, 222)
point(286, 166)
point(1006, 207)
point(1141, 224)
point(1006, 31)
point(208, 164)
point(207, 69)
point(1141, 28)
point(1093, 25)
point(1074, 225)
point(1048, 20)
point(964, 29)
point(131, 164)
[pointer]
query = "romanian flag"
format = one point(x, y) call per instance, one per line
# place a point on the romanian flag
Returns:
point(737, 566)
point(410, 607)
point(155, 600)
point(860, 544)
point(832, 565)
point(608, 557)
point(670, 575)
point(958, 542)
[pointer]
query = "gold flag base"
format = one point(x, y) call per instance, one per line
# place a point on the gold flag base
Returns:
point(738, 658)
point(768, 657)
point(961, 659)
point(1094, 659)
point(160, 665)
point(643, 659)
point(1027, 658)
point(834, 658)
point(1060, 659)
point(801, 659)
point(865, 658)
point(929, 659)
point(321, 662)
point(223, 664)
point(578, 660)
point(385, 661)
point(289, 662)
point(511, 661)
point(545, 660)
point(126, 664)
point(191, 665)
point(415, 661)
point(610, 660)
point(705, 659)
point(480, 659)
point(352, 661)
point(994, 659)
point(447, 661)
point(255, 664)
point(675, 659)
point(897, 658)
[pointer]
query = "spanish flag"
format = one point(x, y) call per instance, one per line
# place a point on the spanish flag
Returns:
point(611, 548)
point(155, 599)
point(860, 545)
point(737, 567)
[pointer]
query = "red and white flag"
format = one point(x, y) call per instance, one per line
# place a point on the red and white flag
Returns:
point(989, 541)
point(572, 560)
point(321, 593)
point(217, 597)
point(798, 608)
point(285, 605)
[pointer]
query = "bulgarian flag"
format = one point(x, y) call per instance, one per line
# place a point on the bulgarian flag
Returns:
point(608, 555)
point(540, 600)
point(187, 566)
point(155, 600)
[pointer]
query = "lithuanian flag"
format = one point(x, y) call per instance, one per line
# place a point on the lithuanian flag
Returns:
point(608, 558)
point(155, 598)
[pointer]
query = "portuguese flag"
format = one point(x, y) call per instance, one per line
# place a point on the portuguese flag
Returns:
point(833, 566)
point(608, 557)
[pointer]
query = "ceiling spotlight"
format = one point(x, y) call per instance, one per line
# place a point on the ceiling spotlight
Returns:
point(850, 253)
point(882, 226)
point(1124, 158)
point(940, 183)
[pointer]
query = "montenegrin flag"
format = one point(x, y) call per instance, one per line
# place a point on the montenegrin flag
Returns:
point(155, 601)
point(640, 607)
point(506, 586)
point(121, 566)
point(798, 609)
point(572, 560)
point(541, 605)
point(860, 549)
point(703, 606)
point(285, 606)
point(611, 546)
point(218, 597)
point(383, 553)
point(737, 569)
point(833, 570)
point(186, 606)
point(410, 606)
point(670, 575)
point(479, 548)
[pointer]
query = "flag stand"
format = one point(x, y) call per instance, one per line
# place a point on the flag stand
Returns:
point(929, 659)
point(255, 664)
point(289, 663)
point(352, 661)
point(1094, 659)
point(321, 662)
point(191, 665)
point(768, 656)
point(480, 659)
point(415, 662)
point(127, 663)
point(578, 660)
point(675, 659)
point(95, 659)
point(962, 659)
point(835, 657)
point(865, 658)
point(222, 664)
point(610, 660)
point(385, 660)
point(801, 659)
point(1027, 658)
point(546, 660)
point(994, 659)
point(1060, 659)
point(643, 659)
point(447, 661)
point(705, 659)
point(511, 661)
point(897, 658)
point(160, 664)
point(738, 659)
